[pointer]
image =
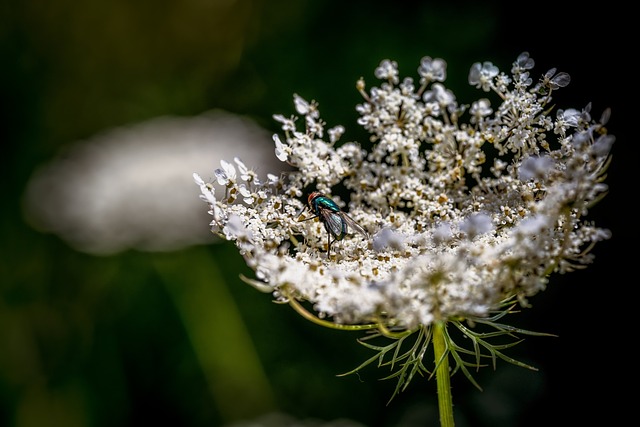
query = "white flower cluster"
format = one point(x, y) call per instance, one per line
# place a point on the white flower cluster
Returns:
point(462, 215)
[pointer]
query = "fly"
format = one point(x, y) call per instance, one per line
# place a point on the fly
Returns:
point(335, 221)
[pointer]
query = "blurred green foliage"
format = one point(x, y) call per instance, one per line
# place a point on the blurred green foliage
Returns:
point(139, 338)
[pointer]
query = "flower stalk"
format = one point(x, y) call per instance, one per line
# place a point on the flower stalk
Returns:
point(443, 380)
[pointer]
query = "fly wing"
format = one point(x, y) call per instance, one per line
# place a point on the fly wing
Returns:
point(354, 225)
point(334, 223)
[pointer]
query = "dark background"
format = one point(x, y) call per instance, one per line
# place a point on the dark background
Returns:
point(102, 341)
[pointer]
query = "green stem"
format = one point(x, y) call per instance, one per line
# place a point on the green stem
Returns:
point(445, 401)
point(304, 313)
point(218, 334)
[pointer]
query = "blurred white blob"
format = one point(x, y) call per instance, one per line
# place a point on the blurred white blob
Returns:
point(132, 187)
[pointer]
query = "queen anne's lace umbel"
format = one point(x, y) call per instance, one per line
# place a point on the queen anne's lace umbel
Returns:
point(467, 205)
